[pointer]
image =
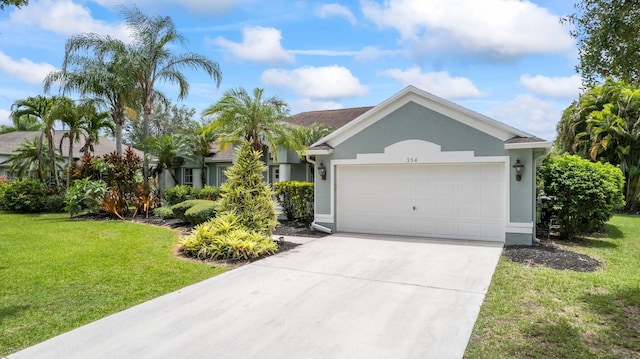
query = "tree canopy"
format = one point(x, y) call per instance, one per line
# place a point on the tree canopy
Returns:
point(16, 3)
point(608, 36)
point(239, 116)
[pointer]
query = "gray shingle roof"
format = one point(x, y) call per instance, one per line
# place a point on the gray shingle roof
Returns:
point(519, 139)
point(332, 118)
point(9, 142)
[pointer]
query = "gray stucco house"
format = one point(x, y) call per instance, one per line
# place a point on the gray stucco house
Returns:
point(419, 165)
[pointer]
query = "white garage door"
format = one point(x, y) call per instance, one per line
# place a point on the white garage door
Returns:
point(460, 201)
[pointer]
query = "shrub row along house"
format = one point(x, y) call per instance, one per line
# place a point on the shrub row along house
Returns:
point(414, 165)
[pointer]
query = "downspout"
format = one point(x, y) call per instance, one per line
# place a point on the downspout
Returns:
point(536, 161)
point(314, 225)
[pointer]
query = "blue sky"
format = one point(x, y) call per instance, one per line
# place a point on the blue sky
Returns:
point(507, 59)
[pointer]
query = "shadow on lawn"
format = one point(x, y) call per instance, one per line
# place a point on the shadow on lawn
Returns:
point(620, 313)
point(553, 338)
point(12, 311)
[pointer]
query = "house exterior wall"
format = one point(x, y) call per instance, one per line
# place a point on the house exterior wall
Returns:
point(415, 122)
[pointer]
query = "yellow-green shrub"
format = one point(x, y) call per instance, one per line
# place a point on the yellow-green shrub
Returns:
point(224, 238)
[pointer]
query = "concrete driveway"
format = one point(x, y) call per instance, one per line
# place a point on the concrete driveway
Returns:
point(342, 296)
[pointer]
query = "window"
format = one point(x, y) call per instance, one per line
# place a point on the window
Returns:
point(188, 177)
point(222, 176)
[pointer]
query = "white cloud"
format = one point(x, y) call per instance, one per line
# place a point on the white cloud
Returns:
point(306, 104)
point(330, 53)
point(530, 114)
point(260, 44)
point(25, 69)
point(501, 28)
point(329, 82)
point(338, 10)
point(373, 53)
point(66, 18)
point(439, 83)
point(214, 6)
point(561, 87)
point(4, 117)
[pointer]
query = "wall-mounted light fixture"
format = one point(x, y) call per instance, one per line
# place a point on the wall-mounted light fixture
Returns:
point(322, 171)
point(519, 167)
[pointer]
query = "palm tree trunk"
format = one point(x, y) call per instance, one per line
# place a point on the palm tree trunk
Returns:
point(70, 154)
point(52, 158)
point(119, 137)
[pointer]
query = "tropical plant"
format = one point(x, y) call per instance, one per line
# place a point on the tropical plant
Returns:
point(153, 60)
point(239, 117)
point(22, 123)
point(94, 123)
point(587, 193)
point(224, 237)
point(604, 125)
point(202, 138)
point(85, 193)
point(41, 107)
point(168, 150)
point(104, 76)
point(246, 194)
point(27, 161)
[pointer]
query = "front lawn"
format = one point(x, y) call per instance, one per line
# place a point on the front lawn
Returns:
point(57, 274)
point(545, 313)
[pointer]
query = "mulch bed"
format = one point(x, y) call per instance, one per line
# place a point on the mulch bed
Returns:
point(548, 254)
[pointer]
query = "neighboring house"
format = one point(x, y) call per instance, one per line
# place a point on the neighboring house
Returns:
point(418, 165)
point(288, 166)
point(9, 142)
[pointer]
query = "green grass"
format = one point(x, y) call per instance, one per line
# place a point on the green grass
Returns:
point(545, 313)
point(58, 274)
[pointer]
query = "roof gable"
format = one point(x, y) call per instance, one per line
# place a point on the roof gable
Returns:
point(456, 112)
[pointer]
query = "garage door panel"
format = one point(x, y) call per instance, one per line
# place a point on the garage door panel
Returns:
point(463, 201)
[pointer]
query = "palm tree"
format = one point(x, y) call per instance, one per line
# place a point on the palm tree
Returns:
point(94, 122)
point(169, 149)
point(239, 117)
point(22, 123)
point(41, 107)
point(202, 139)
point(26, 161)
point(153, 61)
point(105, 78)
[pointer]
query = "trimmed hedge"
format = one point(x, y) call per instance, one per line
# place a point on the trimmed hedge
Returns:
point(296, 199)
point(163, 212)
point(181, 193)
point(180, 208)
point(201, 212)
point(587, 193)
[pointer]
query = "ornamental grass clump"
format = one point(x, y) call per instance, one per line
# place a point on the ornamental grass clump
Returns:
point(246, 218)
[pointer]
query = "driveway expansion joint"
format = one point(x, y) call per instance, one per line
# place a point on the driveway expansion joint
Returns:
point(371, 280)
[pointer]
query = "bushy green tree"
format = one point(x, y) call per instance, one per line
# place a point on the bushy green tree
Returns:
point(608, 35)
point(246, 194)
point(587, 193)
